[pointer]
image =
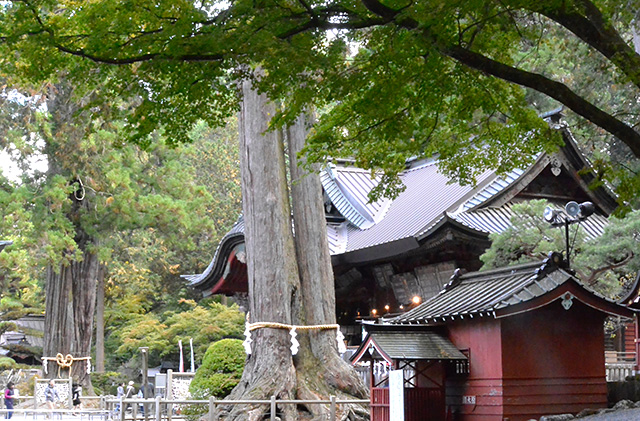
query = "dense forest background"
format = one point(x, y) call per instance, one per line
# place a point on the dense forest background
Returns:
point(153, 214)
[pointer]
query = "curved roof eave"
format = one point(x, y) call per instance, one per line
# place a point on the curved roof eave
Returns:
point(632, 297)
point(216, 267)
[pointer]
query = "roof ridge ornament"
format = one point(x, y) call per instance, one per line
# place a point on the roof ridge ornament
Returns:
point(455, 279)
point(553, 262)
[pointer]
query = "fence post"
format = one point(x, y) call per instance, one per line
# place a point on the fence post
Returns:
point(122, 409)
point(70, 399)
point(273, 408)
point(212, 408)
point(332, 410)
point(158, 409)
point(169, 394)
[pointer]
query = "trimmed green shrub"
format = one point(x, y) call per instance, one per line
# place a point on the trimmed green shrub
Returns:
point(7, 363)
point(221, 369)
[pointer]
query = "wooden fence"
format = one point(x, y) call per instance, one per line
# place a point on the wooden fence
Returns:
point(619, 365)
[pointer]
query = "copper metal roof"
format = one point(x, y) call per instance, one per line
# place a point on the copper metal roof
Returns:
point(497, 219)
point(348, 188)
point(427, 196)
point(230, 240)
point(373, 230)
point(490, 190)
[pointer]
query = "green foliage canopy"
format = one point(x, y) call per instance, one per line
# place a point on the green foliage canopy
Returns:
point(393, 79)
point(609, 263)
point(206, 323)
point(153, 213)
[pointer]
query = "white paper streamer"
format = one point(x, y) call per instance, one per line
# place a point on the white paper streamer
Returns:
point(295, 345)
point(341, 346)
point(248, 340)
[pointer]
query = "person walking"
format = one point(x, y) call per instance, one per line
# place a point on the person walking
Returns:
point(75, 398)
point(51, 394)
point(8, 399)
point(129, 394)
point(119, 394)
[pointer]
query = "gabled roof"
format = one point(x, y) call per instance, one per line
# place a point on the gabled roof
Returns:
point(408, 345)
point(348, 190)
point(428, 194)
point(507, 291)
point(430, 201)
point(27, 328)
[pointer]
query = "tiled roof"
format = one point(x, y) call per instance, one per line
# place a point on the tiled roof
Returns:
point(30, 324)
point(481, 294)
point(417, 345)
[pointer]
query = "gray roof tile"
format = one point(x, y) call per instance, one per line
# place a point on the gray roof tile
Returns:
point(415, 345)
point(482, 293)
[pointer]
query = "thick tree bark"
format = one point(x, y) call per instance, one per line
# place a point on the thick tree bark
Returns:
point(319, 350)
point(100, 325)
point(274, 262)
point(271, 265)
point(70, 303)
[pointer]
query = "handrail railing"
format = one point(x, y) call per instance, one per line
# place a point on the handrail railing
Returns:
point(163, 409)
point(58, 414)
point(612, 357)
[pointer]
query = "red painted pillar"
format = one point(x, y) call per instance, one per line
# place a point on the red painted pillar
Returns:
point(637, 343)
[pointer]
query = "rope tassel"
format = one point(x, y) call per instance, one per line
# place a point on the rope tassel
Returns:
point(64, 361)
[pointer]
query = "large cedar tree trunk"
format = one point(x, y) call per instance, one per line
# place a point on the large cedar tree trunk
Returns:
point(70, 303)
point(99, 365)
point(70, 290)
point(290, 280)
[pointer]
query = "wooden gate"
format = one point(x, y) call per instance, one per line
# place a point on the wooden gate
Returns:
point(380, 404)
point(420, 403)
